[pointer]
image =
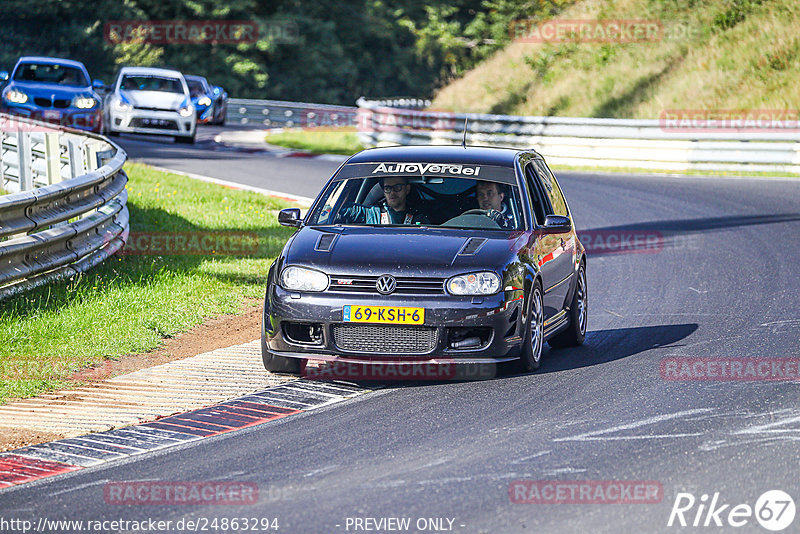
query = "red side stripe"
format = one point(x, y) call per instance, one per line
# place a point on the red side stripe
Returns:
point(264, 408)
point(18, 469)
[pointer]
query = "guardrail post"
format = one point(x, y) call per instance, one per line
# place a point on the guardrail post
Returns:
point(52, 157)
point(74, 153)
point(25, 158)
point(2, 161)
point(91, 156)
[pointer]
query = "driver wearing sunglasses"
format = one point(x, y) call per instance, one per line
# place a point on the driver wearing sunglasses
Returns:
point(393, 209)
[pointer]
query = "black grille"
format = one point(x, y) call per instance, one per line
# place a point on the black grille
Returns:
point(157, 124)
point(405, 285)
point(147, 108)
point(45, 103)
point(385, 339)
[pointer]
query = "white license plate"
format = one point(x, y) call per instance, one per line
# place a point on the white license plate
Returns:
point(51, 114)
point(383, 314)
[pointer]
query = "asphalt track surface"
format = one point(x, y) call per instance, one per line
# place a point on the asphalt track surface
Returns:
point(722, 284)
point(296, 175)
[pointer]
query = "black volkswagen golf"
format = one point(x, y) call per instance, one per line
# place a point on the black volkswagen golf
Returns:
point(428, 255)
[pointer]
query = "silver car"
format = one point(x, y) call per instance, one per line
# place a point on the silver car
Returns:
point(145, 100)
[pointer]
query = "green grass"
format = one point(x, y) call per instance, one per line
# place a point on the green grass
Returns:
point(714, 54)
point(339, 141)
point(131, 302)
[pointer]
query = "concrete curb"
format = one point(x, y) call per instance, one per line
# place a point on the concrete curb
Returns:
point(35, 462)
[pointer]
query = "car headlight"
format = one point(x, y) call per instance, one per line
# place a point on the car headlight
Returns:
point(84, 102)
point(121, 105)
point(16, 97)
point(485, 283)
point(186, 111)
point(205, 101)
point(302, 279)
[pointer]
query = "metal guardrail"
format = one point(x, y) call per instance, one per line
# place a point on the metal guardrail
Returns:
point(66, 211)
point(404, 102)
point(280, 114)
point(644, 144)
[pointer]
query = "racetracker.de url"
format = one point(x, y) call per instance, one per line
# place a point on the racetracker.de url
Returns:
point(197, 524)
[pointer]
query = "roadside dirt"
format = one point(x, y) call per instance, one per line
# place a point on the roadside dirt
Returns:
point(212, 334)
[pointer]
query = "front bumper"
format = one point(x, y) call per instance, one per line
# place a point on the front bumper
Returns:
point(82, 119)
point(500, 315)
point(144, 121)
point(204, 113)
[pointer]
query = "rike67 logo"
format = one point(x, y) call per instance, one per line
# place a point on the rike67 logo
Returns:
point(774, 510)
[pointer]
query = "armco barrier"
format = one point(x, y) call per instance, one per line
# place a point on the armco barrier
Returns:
point(644, 144)
point(279, 114)
point(66, 208)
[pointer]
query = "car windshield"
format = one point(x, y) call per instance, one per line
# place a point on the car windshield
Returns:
point(141, 82)
point(195, 87)
point(420, 200)
point(50, 73)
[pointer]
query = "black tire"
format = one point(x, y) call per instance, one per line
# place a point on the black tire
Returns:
point(187, 140)
point(277, 364)
point(531, 355)
point(575, 333)
point(220, 119)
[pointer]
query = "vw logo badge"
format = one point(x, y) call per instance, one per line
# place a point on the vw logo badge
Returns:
point(386, 284)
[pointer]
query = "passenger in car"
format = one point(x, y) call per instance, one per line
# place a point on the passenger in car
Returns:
point(393, 209)
point(490, 197)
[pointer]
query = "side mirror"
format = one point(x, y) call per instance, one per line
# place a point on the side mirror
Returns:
point(290, 217)
point(98, 84)
point(556, 224)
point(3, 76)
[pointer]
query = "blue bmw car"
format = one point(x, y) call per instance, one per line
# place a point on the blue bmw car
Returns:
point(53, 90)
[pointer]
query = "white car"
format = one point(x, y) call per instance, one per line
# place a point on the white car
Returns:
point(145, 100)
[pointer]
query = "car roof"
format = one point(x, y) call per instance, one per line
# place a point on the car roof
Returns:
point(151, 71)
point(439, 154)
point(52, 61)
point(195, 77)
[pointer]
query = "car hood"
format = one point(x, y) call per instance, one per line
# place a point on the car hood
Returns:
point(154, 99)
point(422, 251)
point(45, 90)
